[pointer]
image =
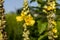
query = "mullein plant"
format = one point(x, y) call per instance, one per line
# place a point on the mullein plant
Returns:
point(3, 35)
point(50, 10)
point(27, 18)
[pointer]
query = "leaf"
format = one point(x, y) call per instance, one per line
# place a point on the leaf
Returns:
point(41, 37)
point(41, 27)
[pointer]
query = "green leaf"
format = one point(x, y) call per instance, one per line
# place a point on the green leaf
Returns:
point(41, 37)
point(41, 27)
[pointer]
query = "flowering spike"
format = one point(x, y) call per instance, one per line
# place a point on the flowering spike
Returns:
point(50, 10)
point(29, 21)
point(3, 35)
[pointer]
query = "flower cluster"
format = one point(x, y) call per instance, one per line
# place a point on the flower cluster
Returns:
point(50, 6)
point(3, 36)
point(27, 18)
point(54, 23)
point(21, 17)
point(50, 9)
point(54, 30)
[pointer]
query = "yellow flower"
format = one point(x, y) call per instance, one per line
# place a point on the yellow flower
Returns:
point(49, 8)
point(45, 6)
point(29, 20)
point(44, 11)
point(54, 23)
point(52, 6)
point(19, 18)
point(54, 30)
point(22, 14)
point(28, 17)
point(53, 3)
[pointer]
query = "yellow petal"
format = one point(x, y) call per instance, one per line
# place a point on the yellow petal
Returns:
point(54, 30)
point(30, 22)
point(28, 17)
point(19, 18)
point(49, 8)
point(27, 21)
point(22, 14)
point(45, 6)
point(54, 23)
point(44, 11)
